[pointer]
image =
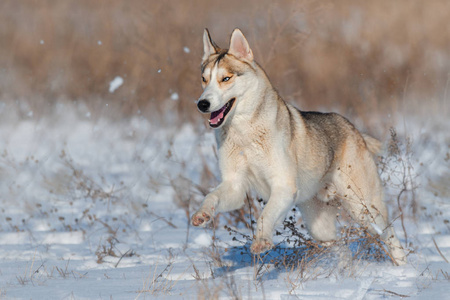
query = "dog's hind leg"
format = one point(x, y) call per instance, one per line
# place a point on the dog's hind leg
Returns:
point(319, 218)
point(360, 190)
point(378, 223)
point(373, 216)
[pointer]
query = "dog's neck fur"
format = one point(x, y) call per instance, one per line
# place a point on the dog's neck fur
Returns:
point(258, 111)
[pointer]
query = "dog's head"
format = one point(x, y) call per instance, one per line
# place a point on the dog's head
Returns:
point(224, 77)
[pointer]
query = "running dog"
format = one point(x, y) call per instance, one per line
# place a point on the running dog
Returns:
point(315, 161)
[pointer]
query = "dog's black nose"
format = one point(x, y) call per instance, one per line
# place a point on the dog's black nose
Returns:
point(203, 105)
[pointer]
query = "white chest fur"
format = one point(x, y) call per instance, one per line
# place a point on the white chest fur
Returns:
point(248, 154)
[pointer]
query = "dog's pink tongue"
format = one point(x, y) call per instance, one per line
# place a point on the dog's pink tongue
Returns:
point(217, 115)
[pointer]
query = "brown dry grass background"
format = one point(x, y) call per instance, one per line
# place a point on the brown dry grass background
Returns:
point(358, 57)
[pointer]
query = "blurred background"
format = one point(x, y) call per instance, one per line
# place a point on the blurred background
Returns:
point(365, 59)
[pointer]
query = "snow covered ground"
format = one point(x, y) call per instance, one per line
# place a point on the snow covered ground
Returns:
point(96, 209)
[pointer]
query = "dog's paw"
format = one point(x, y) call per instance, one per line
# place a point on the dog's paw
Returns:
point(200, 218)
point(327, 244)
point(261, 246)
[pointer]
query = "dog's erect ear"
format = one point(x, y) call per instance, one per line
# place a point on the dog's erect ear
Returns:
point(239, 46)
point(208, 45)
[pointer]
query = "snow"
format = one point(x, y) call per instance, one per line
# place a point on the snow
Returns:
point(115, 84)
point(174, 96)
point(203, 239)
point(98, 209)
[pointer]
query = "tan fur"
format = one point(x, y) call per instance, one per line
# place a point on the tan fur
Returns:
point(288, 157)
point(374, 145)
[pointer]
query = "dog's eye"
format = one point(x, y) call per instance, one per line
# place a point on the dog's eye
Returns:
point(225, 79)
point(203, 79)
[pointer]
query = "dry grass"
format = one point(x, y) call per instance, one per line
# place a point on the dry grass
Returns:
point(158, 282)
point(355, 56)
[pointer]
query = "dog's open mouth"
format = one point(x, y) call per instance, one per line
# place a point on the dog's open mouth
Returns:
point(218, 116)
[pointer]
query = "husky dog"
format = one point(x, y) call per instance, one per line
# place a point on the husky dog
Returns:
point(316, 161)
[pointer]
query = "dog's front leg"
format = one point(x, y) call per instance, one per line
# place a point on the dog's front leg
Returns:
point(273, 214)
point(227, 196)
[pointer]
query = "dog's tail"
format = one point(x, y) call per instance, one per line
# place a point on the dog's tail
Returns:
point(374, 145)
